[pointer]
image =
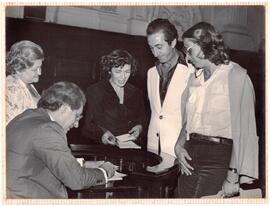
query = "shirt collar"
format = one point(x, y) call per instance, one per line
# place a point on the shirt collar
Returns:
point(51, 117)
point(21, 82)
point(174, 59)
point(177, 57)
point(171, 62)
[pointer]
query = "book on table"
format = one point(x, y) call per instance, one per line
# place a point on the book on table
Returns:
point(125, 141)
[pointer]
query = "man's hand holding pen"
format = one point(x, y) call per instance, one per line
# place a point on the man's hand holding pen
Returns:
point(109, 168)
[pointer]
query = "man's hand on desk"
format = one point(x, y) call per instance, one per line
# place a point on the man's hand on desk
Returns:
point(135, 131)
point(109, 168)
point(108, 138)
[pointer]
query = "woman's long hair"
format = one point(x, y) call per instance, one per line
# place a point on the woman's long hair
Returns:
point(210, 41)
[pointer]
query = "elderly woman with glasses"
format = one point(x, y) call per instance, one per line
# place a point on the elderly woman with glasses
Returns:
point(23, 65)
point(218, 145)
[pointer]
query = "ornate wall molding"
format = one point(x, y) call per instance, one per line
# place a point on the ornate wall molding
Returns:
point(238, 37)
point(181, 16)
point(139, 19)
point(232, 23)
point(131, 20)
point(15, 12)
point(102, 9)
point(242, 26)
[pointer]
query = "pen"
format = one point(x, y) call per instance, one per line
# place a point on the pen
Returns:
point(117, 142)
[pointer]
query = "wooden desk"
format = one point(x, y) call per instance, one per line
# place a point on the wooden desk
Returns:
point(149, 175)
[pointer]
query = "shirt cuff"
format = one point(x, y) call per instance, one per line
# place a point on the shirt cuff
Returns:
point(105, 174)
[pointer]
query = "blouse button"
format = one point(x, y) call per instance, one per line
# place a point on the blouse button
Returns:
point(160, 117)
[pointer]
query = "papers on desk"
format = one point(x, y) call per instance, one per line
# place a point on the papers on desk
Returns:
point(117, 176)
point(96, 164)
point(128, 145)
point(125, 142)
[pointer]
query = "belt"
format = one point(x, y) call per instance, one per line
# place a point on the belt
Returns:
point(220, 140)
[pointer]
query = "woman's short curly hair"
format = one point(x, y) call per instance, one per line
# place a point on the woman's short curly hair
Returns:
point(210, 41)
point(117, 58)
point(61, 93)
point(22, 55)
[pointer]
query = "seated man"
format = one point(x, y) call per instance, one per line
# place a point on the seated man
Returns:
point(39, 162)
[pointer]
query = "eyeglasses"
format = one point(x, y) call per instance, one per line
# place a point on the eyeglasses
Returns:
point(78, 116)
point(189, 51)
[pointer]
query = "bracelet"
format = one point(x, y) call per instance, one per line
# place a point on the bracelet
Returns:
point(234, 170)
point(231, 182)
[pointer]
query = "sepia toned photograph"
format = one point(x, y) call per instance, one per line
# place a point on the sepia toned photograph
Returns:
point(135, 102)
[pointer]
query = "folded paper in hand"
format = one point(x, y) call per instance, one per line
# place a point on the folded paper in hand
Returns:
point(124, 137)
point(125, 141)
point(117, 176)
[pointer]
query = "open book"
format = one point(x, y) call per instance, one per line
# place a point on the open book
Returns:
point(125, 141)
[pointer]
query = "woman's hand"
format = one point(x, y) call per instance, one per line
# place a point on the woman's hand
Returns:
point(230, 189)
point(135, 131)
point(231, 185)
point(182, 156)
point(108, 138)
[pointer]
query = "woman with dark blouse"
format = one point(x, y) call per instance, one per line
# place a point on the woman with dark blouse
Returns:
point(114, 106)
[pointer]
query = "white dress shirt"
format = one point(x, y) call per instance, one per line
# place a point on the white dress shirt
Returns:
point(208, 105)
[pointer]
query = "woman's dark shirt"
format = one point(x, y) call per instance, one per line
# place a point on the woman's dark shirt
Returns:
point(104, 112)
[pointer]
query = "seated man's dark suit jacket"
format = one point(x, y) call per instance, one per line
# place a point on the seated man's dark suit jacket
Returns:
point(39, 162)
